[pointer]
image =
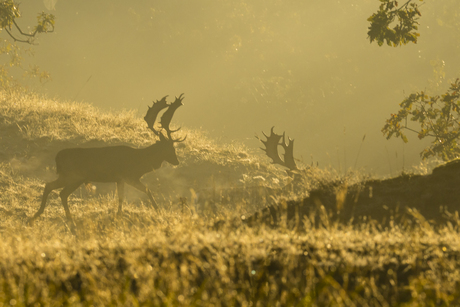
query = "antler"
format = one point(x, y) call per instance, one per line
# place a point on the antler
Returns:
point(271, 149)
point(167, 117)
point(289, 153)
point(153, 112)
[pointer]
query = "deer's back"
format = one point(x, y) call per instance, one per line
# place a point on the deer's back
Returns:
point(102, 163)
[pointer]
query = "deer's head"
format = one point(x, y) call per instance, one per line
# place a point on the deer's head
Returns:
point(168, 150)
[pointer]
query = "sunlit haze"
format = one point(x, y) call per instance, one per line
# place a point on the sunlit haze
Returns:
point(305, 67)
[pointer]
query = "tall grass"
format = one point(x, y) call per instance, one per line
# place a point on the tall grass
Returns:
point(177, 256)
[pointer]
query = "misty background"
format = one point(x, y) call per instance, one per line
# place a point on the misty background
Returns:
point(305, 67)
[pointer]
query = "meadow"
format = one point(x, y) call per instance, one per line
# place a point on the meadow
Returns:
point(198, 249)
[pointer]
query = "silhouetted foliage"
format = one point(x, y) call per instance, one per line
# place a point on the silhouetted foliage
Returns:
point(438, 117)
point(397, 25)
point(9, 12)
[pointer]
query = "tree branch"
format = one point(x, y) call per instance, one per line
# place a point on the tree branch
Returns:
point(22, 33)
point(17, 39)
point(404, 5)
point(31, 35)
point(428, 134)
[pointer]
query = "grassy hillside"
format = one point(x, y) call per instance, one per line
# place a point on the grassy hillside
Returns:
point(33, 129)
point(177, 256)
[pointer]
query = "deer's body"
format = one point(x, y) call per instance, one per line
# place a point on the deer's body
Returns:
point(120, 164)
point(111, 164)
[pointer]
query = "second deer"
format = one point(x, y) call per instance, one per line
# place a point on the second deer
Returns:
point(272, 143)
point(120, 164)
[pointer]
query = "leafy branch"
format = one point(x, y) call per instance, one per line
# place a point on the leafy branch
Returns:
point(404, 19)
point(9, 11)
point(438, 117)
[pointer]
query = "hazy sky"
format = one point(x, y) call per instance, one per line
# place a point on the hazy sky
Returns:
point(305, 67)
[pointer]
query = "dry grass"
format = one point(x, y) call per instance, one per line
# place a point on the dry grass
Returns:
point(175, 257)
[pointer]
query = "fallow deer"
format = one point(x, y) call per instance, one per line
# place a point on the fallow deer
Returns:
point(271, 149)
point(120, 164)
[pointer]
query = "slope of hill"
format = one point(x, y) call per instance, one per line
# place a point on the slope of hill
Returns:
point(431, 199)
point(33, 129)
point(175, 257)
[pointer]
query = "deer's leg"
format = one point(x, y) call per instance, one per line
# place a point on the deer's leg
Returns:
point(50, 186)
point(121, 195)
point(68, 189)
point(141, 187)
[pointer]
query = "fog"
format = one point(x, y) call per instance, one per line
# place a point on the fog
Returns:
point(305, 67)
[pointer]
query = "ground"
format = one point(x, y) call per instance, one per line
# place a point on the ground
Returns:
point(233, 230)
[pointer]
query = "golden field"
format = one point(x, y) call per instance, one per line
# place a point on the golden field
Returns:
point(196, 250)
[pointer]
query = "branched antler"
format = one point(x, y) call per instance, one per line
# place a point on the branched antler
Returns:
point(153, 112)
point(271, 146)
point(166, 118)
point(289, 153)
point(271, 149)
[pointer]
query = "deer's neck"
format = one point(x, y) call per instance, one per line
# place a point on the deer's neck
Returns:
point(153, 155)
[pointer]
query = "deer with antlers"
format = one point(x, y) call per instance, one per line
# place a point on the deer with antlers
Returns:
point(271, 149)
point(120, 164)
point(272, 142)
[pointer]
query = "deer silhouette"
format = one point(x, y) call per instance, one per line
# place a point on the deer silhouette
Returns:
point(271, 144)
point(120, 164)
